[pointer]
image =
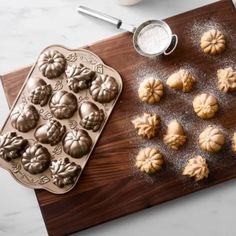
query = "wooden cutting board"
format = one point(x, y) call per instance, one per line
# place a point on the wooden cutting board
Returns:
point(108, 187)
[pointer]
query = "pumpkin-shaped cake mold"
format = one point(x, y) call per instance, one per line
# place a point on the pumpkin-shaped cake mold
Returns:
point(36, 159)
point(39, 90)
point(51, 64)
point(50, 133)
point(91, 116)
point(64, 172)
point(77, 143)
point(24, 117)
point(63, 104)
point(104, 88)
point(78, 77)
point(11, 146)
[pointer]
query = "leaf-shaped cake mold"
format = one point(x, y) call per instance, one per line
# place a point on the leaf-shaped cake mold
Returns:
point(11, 146)
point(78, 77)
point(64, 172)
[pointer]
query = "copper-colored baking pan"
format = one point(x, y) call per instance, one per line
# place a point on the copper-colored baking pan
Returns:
point(73, 57)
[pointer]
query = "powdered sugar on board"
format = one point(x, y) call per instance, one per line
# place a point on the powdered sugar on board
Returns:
point(178, 105)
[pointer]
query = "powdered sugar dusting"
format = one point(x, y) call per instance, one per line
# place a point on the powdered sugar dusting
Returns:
point(153, 39)
point(178, 105)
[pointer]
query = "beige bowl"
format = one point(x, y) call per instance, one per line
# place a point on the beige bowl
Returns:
point(128, 2)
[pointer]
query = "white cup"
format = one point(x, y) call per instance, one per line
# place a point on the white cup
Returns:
point(128, 2)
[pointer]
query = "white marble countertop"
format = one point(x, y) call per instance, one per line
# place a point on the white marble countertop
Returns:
point(26, 28)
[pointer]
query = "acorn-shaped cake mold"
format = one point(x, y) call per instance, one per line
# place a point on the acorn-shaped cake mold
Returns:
point(11, 146)
point(63, 104)
point(50, 133)
point(91, 116)
point(51, 64)
point(39, 91)
point(78, 77)
point(64, 172)
point(36, 159)
point(104, 88)
point(24, 117)
point(77, 143)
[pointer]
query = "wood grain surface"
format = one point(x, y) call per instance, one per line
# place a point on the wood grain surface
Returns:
point(108, 187)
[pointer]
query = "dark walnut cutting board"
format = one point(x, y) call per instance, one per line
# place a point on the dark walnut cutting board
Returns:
point(109, 187)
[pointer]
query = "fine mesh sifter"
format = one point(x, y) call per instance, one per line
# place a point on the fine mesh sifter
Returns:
point(152, 38)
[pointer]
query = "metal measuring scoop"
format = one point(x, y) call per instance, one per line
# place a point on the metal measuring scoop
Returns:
point(145, 39)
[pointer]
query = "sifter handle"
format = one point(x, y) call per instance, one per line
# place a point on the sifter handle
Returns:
point(171, 48)
point(100, 15)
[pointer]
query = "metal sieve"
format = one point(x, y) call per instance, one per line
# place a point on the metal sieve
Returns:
point(145, 36)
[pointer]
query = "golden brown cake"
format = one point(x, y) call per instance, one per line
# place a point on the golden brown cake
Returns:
point(196, 168)
point(175, 136)
point(234, 142)
point(151, 90)
point(213, 42)
point(181, 80)
point(149, 160)
point(211, 139)
point(205, 105)
point(147, 125)
point(226, 80)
